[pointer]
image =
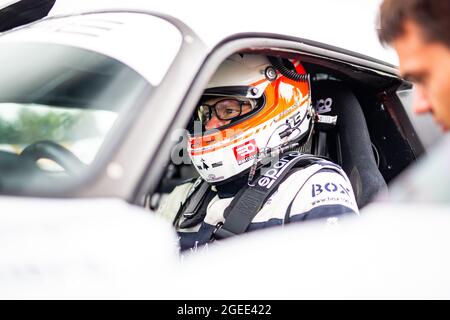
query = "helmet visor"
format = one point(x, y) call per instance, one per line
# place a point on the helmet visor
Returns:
point(225, 108)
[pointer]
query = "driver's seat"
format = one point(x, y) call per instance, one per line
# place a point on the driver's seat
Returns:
point(349, 142)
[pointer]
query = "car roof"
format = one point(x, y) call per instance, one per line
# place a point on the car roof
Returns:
point(105, 33)
point(348, 24)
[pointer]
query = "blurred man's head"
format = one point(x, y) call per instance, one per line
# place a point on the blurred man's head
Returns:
point(419, 30)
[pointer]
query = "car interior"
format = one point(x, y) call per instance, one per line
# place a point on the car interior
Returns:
point(373, 140)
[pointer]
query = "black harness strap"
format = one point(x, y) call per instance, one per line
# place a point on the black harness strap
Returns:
point(244, 208)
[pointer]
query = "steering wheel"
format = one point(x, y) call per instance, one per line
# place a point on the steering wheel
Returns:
point(50, 150)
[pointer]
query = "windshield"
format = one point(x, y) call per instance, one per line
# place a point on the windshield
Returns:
point(57, 105)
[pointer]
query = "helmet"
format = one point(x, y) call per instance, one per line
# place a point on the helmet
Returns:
point(276, 95)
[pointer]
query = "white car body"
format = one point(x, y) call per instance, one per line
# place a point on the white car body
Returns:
point(88, 32)
point(353, 22)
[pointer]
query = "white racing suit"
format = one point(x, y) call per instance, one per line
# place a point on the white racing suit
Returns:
point(321, 190)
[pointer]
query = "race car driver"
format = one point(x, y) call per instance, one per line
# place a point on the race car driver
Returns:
point(255, 115)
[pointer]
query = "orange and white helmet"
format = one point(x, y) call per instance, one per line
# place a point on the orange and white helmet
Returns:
point(276, 96)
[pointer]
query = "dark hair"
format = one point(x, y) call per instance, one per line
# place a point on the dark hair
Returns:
point(431, 16)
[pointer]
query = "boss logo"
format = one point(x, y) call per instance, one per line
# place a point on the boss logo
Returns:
point(245, 152)
point(329, 187)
